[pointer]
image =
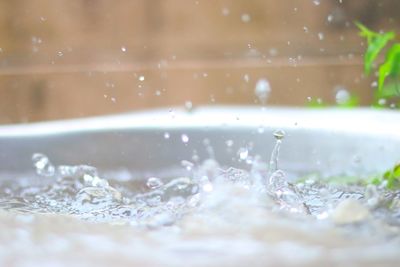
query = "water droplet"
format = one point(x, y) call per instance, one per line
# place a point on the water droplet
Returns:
point(229, 143)
point(154, 183)
point(273, 52)
point(243, 153)
point(184, 138)
point(166, 135)
point(316, 2)
point(321, 36)
point(123, 49)
point(342, 95)
point(141, 78)
point(43, 165)
point(279, 134)
point(245, 18)
point(382, 101)
point(180, 187)
point(225, 11)
point(187, 164)
point(188, 105)
point(246, 78)
point(262, 90)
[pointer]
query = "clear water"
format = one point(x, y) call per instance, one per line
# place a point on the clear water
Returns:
point(231, 214)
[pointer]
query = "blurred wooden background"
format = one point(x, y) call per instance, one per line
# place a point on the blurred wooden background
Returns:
point(74, 58)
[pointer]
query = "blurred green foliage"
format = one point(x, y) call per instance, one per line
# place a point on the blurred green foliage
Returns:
point(388, 92)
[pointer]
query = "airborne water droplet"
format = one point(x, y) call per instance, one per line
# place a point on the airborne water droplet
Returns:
point(243, 153)
point(245, 18)
point(342, 96)
point(279, 134)
point(166, 135)
point(262, 90)
point(184, 138)
point(188, 105)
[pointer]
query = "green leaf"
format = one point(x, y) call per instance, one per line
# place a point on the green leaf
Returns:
point(389, 90)
point(391, 66)
point(392, 177)
point(376, 42)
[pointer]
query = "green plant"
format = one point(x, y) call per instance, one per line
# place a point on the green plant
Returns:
point(390, 68)
point(391, 178)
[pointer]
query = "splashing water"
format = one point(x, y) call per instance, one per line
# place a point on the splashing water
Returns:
point(211, 200)
point(211, 194)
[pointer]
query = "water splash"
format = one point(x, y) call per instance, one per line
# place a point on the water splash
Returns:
point(209, 189)
point(273, 163)
point(42, 165)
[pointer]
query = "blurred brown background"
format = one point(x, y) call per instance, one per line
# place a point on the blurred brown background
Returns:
point(73, 58)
